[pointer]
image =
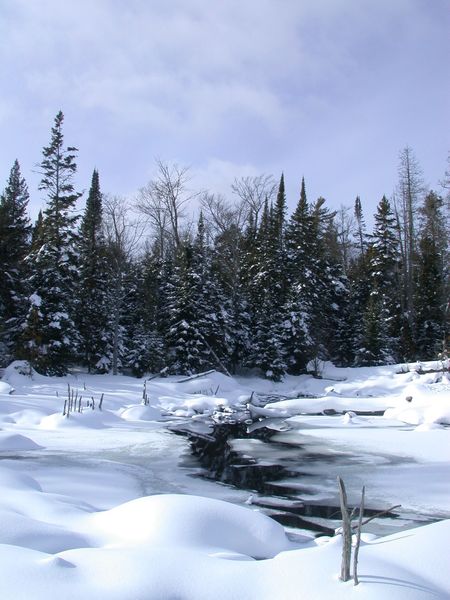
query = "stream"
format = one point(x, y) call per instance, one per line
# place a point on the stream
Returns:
point(293, 477)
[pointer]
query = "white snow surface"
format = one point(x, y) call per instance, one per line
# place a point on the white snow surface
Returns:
point(77, 521)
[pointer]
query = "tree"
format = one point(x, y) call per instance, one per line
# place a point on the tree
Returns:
point(431, 299)
point(409, 192)
point(15, 232)
point(123, 234)
point(253, 193)
point(360, 229)
point(301, 269)
point(344, 228)
point(93, 290)
point(143, 341)
point(164, 200)
point(268, 291)
point(196, 336)
point(380, 340)
point(50, 338)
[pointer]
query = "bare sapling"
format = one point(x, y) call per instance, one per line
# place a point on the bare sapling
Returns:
point(347, 529)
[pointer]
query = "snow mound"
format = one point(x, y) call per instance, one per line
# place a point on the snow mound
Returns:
point(139, 412)
point(88, 418)
point(18, 372)
point(192, 405)
point(10, 442)
point(191, 521)
point(26, 417)
point(5, 388)
point(420, 404)
point(20, 530)
point(13, 480)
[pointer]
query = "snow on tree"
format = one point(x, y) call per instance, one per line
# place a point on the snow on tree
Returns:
point(15, 240)
point(50, 338)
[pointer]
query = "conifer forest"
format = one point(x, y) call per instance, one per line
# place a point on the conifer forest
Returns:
point(139, 286)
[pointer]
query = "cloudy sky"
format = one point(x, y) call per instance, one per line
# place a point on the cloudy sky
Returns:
point(330, 90)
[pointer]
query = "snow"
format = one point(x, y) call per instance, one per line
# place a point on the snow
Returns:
point(94, 505)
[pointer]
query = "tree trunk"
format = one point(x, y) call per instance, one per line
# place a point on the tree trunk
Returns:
point(346, 533)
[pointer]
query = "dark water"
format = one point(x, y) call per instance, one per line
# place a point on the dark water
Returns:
point(279, 476)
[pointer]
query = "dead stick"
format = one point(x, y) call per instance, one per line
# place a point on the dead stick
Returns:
point(358, 537)
point(346, 533)
point(380, 514)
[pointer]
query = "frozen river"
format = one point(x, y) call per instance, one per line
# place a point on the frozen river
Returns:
point(287, 469)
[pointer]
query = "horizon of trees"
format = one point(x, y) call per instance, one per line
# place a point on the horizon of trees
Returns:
point(137, 286)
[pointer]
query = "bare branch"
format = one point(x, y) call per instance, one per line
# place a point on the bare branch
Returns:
point(254, 191)
point(164, 200)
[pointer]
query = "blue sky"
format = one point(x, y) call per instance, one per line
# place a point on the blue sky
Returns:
point(330, 90)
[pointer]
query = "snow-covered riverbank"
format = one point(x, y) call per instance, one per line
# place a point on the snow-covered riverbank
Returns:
point(80, 518)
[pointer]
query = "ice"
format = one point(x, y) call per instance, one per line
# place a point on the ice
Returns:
point(99, 504)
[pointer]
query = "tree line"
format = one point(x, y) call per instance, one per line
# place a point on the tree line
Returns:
point(137, 287)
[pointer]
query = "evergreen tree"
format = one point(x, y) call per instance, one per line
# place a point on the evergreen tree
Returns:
point(93, 290)
point(360, 226)
point(228, 272)
point(196, 329)
point(380, 343)
point(50, 338)
point(301, 264)
point(430, 300)
point(144, 344)
point(268, 292)
point(14, 246)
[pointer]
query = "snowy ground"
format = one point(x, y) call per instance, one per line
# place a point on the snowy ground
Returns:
point(98, 506)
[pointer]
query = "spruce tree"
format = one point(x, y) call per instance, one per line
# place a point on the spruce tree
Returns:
point(360, 226)
point(228, 273)
point(300, 259)
point(50, 338)
point(196, 327)
point(381, 336)
point(144, 344)
point(268, 291)
point(14, 246)
point(93, 288)
point(430, 298)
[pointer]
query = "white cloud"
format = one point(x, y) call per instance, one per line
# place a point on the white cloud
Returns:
point(270, 84)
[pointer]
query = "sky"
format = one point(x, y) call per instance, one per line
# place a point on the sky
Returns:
point(329, 90)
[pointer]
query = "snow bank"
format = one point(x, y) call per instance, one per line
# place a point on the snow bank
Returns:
point(10, 442)
point(92, 419)
point(191, 521)
point(61, 535)
point(18, 372)
point(422, 404)
point(5, 388)
point(139, 412)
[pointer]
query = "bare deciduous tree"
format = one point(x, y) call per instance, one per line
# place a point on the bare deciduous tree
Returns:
point(220, 215)
point(410, 190)
point(164, 201)
point(123, 234)
point(254, 191)
point(344, 227)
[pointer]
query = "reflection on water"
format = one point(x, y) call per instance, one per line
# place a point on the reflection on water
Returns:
point(293, 482)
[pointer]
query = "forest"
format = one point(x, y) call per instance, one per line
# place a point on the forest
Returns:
point(137, 286)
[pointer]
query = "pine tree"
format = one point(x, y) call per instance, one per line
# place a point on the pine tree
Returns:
point(228, 273)
point(268, 293)
point(14, 246)
point(360, 226)
point(430, 299)
point(297, 339)
point(92, 298)
point(144, 344)
point(381, 336)
point(196, 329)
point(50, 338)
